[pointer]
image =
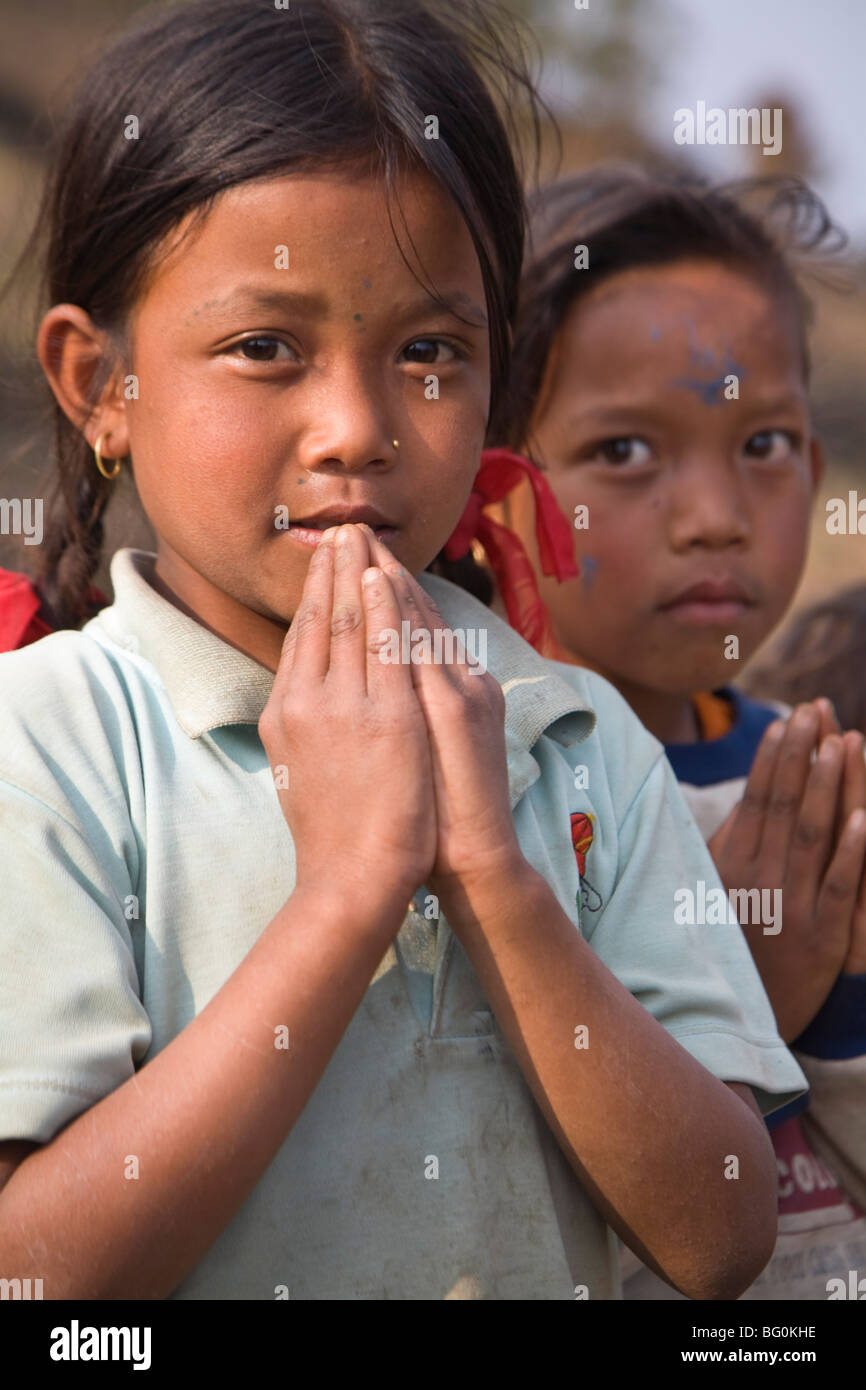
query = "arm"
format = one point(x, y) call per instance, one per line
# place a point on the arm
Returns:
point(68, 1215)
point(646, 1128)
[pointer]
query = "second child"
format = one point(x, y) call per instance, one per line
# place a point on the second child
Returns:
point(661, 382)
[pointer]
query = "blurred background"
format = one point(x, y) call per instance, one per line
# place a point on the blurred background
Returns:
point(614, 73)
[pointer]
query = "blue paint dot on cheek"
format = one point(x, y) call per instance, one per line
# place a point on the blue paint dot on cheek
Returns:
point(588, 566)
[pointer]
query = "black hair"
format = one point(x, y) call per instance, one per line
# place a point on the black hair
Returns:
point(627, 217)
point(231, 90)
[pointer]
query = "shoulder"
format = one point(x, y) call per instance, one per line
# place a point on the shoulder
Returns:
point(572, 714)
point(710, 761)
point(619, 741)
point(68, 721)
point(64, 676)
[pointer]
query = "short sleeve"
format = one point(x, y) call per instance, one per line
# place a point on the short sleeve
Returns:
point(72, 1024)
point(698, 980)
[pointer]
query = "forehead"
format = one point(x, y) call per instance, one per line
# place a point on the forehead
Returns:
point(333, 224)
point(649, 319)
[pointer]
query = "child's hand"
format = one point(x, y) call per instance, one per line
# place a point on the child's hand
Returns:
point(349, 733)
point(465, 715)
point(782, 835)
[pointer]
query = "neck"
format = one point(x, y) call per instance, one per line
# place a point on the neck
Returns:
point(670, 717)
point(248, 632)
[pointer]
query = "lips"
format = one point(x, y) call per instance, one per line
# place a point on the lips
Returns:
point(309, 529)
point(709, 601)
point(342, 516)
point(710, 591)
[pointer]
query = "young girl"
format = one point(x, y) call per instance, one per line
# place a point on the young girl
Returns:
point(663, 388)
point(234, 1065)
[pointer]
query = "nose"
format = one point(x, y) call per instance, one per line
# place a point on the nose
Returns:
point(350, 423)
point(708, 505)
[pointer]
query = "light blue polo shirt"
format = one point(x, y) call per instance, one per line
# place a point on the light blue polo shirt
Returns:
point(142, 853)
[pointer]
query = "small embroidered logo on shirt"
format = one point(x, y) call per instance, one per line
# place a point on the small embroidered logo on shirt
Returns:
point(582, 831)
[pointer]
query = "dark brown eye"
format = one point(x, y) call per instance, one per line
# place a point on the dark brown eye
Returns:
point(260, 349)
point(771, 445)
point(425, 347)
point(627, 449)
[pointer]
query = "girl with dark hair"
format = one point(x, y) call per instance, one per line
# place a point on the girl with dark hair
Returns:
point(662, 387)
point(283, 251)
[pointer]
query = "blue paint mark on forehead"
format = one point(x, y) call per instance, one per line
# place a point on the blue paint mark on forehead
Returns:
point(711, 391)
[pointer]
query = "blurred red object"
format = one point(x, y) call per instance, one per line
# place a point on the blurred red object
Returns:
point(20, 623)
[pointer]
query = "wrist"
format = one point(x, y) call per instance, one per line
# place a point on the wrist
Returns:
point(486, 889)
point(367, 901)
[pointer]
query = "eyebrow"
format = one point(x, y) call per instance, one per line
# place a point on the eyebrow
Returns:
point(311, 305)
point(611, 413)
point(769, 405)
point(608, 416)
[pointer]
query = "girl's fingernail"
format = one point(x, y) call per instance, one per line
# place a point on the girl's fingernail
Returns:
point(858, 820)
point(371, 576)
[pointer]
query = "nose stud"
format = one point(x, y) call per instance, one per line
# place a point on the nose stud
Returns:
point(396, 443)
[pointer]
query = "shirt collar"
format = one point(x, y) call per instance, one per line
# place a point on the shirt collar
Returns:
point(210, 683)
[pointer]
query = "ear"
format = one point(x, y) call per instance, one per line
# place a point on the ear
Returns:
point(817, 462)
point(70, 349)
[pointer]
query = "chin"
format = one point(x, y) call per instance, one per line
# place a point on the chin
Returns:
point(705, 679)
point(672, 679)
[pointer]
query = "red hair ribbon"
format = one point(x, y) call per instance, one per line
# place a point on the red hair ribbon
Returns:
point(19, 608)
point(499, 474)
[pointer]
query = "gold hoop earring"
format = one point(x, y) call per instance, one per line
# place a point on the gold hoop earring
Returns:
point(100, 465)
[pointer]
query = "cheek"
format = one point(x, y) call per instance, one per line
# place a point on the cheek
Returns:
point(450, 438)
point(612, 578)
point(613, 537)
point(614, 546)
point(779, 545)
point(451, 430)
point(200, 410)
point(202, 454)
